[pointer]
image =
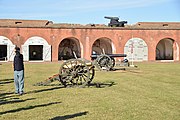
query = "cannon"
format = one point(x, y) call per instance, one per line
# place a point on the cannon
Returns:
point(80, 72)
point(114, 22)
point(107, 61)
point(112, 18)
point(73, 72)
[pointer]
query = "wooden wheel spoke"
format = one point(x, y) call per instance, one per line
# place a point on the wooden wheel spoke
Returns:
point(75, 71)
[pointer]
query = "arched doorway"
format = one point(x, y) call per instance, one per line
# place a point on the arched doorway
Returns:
point(136, 49)
point(36, 48)
point(67, 48)
point(6, 49)
point(35, 52)
point(103, 45)
point(164, 49)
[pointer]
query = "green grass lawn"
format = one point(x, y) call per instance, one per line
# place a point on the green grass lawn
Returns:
point(151, 92)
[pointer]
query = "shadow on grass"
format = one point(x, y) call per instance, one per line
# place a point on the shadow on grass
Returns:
point(10, 98)
point(134, 69)
point(65, 117)
point(120, 69)
point(6, 81)
point(28, 108)
point(43, 90)
point(4, 94)
point(101, 85)
point(94, 84)
point(2, 102)
point(8, 95)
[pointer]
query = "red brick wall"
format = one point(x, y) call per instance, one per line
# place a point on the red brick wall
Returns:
point(87, 36)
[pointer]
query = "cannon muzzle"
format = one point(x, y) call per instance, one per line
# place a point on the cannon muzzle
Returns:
point(112, 18)
point(94, 56)
point(125, 22)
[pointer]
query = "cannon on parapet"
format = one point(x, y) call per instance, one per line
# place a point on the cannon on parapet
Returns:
point(114, 22)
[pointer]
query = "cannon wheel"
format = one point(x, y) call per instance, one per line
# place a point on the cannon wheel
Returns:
point(104, 62)
point(74, 72)
point(92, 73)
point(113, 62)
point(90, 66)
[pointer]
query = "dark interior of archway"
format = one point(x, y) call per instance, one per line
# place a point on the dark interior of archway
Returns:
point(36, 52)
point(164, 50)
point(101, 46)
point(3, 52)
point(66, 49)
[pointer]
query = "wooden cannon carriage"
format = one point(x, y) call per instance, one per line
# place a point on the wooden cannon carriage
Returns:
point(80, 72)
point(76, 72)
point(107, 61)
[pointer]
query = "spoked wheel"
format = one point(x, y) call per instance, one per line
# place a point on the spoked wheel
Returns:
point(91, 68)
point(113, 62)
point(74, 72)
point(92, 73)
point(104, 62)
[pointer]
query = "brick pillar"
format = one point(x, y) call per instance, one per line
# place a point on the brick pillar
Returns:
point(152, 50)
point(55, 47)
point(175, 51)
point(87, 49)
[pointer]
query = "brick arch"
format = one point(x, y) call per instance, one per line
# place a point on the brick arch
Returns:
point(6, 49)
point(5, 40)
point(38, 43)
point(103, 44)
point(34, 40)
point(136, 49)
point(167, 49)
point(69, 45)
point(88, 35)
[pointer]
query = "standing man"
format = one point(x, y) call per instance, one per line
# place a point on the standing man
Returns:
point(18, 72)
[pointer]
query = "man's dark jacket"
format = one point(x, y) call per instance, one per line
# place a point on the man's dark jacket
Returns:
point(18, 62)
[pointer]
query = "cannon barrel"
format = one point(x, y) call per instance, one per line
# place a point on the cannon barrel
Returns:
point(125, 22)
point(94, 56)
point(112, 18)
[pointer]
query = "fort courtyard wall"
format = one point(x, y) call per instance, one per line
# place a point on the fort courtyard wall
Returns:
point(143, 43)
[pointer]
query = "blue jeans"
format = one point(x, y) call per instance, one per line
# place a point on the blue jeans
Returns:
point(19, 81)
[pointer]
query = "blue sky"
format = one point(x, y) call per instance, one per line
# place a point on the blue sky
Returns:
point(91, 11)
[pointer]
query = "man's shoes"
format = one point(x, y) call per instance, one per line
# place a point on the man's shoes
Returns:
point(21, 93)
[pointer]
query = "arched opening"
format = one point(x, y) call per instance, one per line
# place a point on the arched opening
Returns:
point(35, 52)
point(68, 49)
point(3, 52)
point(164, 49)
point(136, 49)
point(36, 48)
point(102, 45)
point(6, 49)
